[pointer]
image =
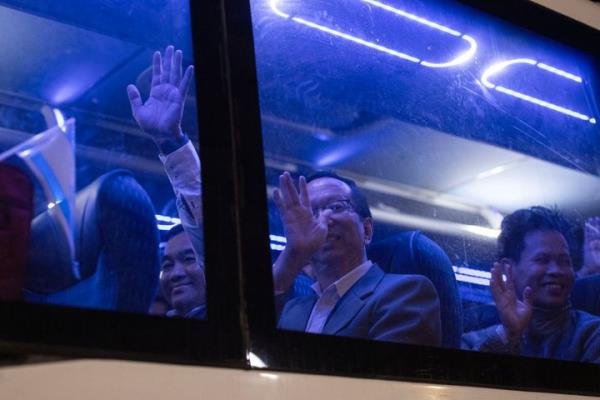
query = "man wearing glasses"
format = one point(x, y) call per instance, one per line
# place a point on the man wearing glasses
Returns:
point(328, 225)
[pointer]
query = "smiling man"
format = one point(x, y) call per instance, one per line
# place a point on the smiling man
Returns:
point(328, 225)
point(182, 279)
point(531, 285)
point(160, 117)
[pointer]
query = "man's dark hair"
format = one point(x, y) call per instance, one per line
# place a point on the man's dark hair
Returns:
point(517, 225)
point(177, 230)
point(174, 231)
point(357, 197)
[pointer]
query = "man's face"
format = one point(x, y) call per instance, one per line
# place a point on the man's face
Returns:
point(546, 267)
point(182, 276)
point(348, 233)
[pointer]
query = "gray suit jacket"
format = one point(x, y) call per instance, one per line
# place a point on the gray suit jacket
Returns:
point(389, 307)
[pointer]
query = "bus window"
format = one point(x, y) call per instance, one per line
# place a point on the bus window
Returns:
point(432, 175)
point(100, 176)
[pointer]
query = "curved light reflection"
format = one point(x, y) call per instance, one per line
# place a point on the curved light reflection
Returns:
point(460, 59)
point(501, 66)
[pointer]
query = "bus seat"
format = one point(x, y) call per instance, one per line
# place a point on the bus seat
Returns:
point(480, 316)
point(16, 211)
point(411, 252)
point(116, 241)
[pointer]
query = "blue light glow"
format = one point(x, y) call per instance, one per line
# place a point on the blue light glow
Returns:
point(469, 275)
point(277, 247)
point(277, 238)
point(60, 119)
point(501, 66)
point(337, 153)
point(357, 40)
point(472, 279)
point(165, 218)
point(66, 92)
point(412, 17)
point(560, 72)
point(165, 227)
point(165, 223)
point(276, 10)
point(542, 103)
point(460, 59)
point(473, 272)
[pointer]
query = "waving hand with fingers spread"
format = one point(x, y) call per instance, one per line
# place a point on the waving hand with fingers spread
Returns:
point(515, 314)
point(591, 248)
point(160, 115)
point(305, 232)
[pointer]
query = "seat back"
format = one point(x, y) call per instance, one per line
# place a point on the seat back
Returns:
point(116, 242)
point(586, 294)
point(480, 317)
point(16, 211)
point(411, 252)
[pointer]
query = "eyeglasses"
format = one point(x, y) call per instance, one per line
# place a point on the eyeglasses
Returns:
point(336, 207)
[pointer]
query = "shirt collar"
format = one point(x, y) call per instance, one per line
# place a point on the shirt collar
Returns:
point(173, 313)
point(344, 284)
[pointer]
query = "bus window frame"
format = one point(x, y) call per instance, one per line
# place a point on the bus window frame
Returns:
point(75, 332)
point(300, 352)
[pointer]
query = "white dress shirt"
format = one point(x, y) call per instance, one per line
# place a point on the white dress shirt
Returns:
point(329, 297)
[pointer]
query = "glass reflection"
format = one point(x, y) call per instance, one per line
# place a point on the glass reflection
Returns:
point(98, 158)
point(447, 158)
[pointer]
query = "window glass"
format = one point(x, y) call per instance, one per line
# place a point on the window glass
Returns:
point(449, 121)
point(99, 174)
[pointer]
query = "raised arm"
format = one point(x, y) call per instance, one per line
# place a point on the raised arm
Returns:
point(160, 117)
point(515, 316)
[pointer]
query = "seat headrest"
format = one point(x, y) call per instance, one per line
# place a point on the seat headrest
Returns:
point(395, 254)
point(50, 264)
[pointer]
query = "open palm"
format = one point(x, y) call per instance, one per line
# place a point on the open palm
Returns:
point(591, 248)
point(304, 232)
point(515, 314)
point(161, 114)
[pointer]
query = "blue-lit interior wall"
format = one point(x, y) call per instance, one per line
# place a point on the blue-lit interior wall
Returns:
point(79, 56)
